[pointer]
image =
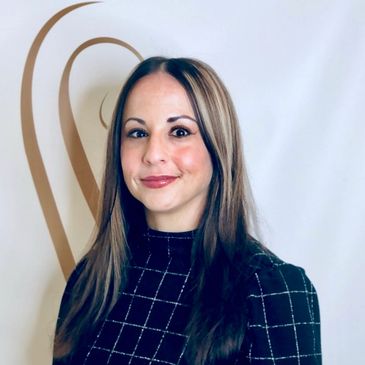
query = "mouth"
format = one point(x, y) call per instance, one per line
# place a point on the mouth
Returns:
point(157, 182)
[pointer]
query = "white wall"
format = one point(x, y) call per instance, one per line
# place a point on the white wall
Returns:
point(296, 72)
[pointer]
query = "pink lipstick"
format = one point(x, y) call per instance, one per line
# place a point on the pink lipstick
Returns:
point(157, 182)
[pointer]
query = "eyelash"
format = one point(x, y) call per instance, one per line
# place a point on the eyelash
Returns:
point(132, 133)
point(141, 133)
point(187, 132)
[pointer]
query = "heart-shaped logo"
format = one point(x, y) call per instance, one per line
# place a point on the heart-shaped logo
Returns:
point(72, 140)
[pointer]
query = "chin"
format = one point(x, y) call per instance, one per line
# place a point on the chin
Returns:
point(159, 208)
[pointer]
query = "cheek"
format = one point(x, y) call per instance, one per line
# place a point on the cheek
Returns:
point(194, 160)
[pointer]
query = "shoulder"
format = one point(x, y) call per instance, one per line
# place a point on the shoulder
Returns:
point(283, 311)
point(279, 288)
point(270, 275)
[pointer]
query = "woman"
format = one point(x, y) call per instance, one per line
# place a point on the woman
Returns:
point(174, 275)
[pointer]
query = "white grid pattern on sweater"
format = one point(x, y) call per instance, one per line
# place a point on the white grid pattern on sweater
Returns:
point(310, 307)
point(309, 292)
point(139, 326)
point(135, 356)
point(102, 327)
point(265, 318)
point(292, 316)
point(310, 304)
point(300, 356)
point(169, 321)
point(142, 328)
point(149, 312)
point(156, 300)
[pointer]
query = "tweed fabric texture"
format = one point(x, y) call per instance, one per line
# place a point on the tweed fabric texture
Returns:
point(147, 324)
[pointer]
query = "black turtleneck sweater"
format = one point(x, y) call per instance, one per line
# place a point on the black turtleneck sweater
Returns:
point(147, 324)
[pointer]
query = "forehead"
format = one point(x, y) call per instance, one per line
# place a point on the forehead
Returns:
point(155, 91)
point(157, 82)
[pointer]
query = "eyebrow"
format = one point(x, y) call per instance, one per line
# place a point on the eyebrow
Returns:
point(169, 120)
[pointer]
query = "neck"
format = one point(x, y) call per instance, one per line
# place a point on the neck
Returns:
point(169, 222)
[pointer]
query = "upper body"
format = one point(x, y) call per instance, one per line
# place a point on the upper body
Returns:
point(175, 165)
point(147, 324)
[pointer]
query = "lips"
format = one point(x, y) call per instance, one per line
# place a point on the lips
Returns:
point(157, 182)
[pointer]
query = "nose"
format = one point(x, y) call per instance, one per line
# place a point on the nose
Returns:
point(155, 151)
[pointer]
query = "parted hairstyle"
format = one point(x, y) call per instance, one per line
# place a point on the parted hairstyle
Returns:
point(219, 255)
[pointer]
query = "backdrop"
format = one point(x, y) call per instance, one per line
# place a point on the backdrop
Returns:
point(296, 73)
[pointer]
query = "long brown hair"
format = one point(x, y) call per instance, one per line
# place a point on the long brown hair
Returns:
point(218, 319)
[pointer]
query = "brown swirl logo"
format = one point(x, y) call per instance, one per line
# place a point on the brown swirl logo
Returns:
point(71, 137)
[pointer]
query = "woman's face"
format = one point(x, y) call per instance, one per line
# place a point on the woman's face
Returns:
point(165, 163)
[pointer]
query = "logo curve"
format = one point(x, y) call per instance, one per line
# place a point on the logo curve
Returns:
point(101, 117)
point(75, 150)
point(31, 146)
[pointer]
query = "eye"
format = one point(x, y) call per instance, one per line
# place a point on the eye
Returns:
point(180, 132)
point(137, 133)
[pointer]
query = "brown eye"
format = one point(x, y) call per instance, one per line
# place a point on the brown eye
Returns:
point(137, 133)
point(180, 132)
